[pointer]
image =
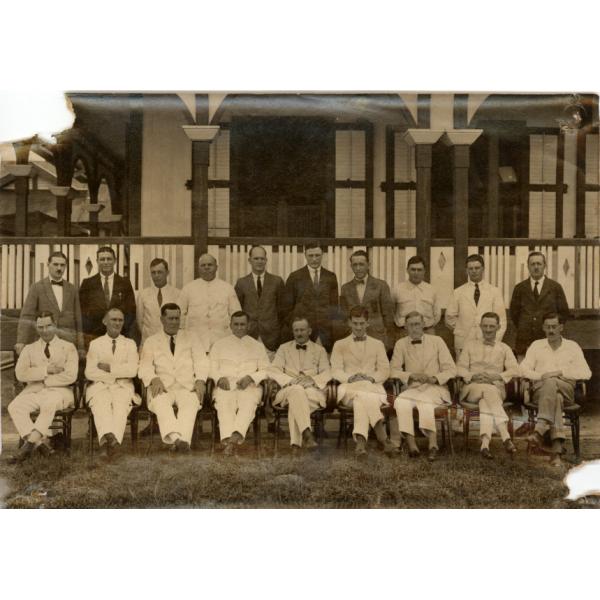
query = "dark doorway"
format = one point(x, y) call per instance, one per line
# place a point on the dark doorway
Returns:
point(282, 177)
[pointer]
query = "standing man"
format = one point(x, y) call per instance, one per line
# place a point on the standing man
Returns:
point(48, 366)
point(150, 299)
point(207, 303)
point(424, 365)
point(372, 293)
point(261, 295)
point(486, 366)
point(112, 362)
point(532, 299)
point(174, 368)
point(470, 302)
point(302, 370)
point(553, 364)
point(58, 296)
point(360, 364)
point(312, 291)
point(238, 363)
point(416, 295)
point(103, 291)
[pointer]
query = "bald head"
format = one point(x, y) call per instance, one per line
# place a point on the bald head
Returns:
point(207, 267)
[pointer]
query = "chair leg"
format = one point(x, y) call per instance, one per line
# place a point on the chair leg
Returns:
point(257, 434)
point(213, 432)
point(91, 430)
point(466, 423)
point(277, 431)
point(449, 426)
point(133, 424)
point(575, 435)
point(341, 431)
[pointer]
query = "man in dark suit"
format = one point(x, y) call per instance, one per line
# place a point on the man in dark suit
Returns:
point(55, 295)
point(372, 293)
point(532, 299)
point(261, 296)
point(312, 292)
point(103, 291)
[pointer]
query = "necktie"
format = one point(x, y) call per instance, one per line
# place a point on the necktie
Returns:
point(159, 297)
point(57, 282)
point(536, 290)
point(316, 280)
point(106, 291)
point(114, 346)
point(416, 342)
point(172, 345)
point(360, 339)
point(47, 350)
point(300, 346)
point(476, 294)
point(258, 287)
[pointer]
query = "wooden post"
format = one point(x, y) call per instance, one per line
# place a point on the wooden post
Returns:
point(580, 192)
point(493, 194)
point(133, 165)
point(63, 154)
point(21, 171)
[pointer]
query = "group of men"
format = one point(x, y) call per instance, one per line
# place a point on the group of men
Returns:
point(299, 333)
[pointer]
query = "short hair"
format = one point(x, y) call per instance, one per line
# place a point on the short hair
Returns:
point(359, 311)
point(46, 313)
point(536, 253)
point(106, 249)
point(552, 315)
point(254, 248)
point(359, 253)
point(416, 260)
point(57, 253)
point(475, 258)
point(490, 315)
point(414, 313)
point(312, 245)
point(169, 306)
point(159, 261)
point(240, 313)
point(300, 318)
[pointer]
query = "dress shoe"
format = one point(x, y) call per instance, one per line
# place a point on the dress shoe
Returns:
point(389, 449)
point(44, 450)
point(432, 454)
point(22, 454)
point(535, 439)
point(413, 453)
point(308, 440)
point(360, 450)
point(111, 440)
point(182, 446)
point(229, 449)
point(509, 446)
point(103, 452)
point(485, 453)
point(236, 438)
point(556, 461)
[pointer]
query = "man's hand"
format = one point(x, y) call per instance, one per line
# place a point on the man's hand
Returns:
point(480, 378)
point(200, 389)
point(19, 348)
point(244, 382)
point(54, 369)
point(223, 384)
point(307, 382)
point(157, 387)
point(549, 374)
point(418, 378)
point(104, 366)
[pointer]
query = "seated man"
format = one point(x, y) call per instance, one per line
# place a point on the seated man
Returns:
point(553, 365)
point(48, 366)
point(486, 366)
point(238, 364)
point(360, 364)
point(423, 363)
point(112, 361)
point(301, 368)
point(174, 367)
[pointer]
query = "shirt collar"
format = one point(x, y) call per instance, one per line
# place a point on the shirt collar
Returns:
point(255, 276)
point(364, 280)
point(313, 271)
point(540, 282)
point(51, 280)
point(110, 277)
point(415, 285)
point(51, 342)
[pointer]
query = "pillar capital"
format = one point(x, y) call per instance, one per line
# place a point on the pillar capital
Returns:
point(461, 137)
point(417, 137)
point(60, 191)
point(201, 133)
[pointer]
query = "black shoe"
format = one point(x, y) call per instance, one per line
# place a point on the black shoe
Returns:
point(182, 446)
point(389, 449)
point(308, 440)
point(57, 442)
point(432, 454)
point(509, 446)
point(229, 449)
point(360, 450)
point(22, 454)
point(44, 450)
point(485, 453)
point(103, 452)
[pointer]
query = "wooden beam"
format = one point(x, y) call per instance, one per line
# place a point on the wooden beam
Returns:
point(133, 167)
point(201, 109)
point(461, 211)
point(523, 178)
point(460, 116)
point(423, 158)
point(493, 191)
point(424, 111)
point(369, 167)
point(389, 181)
point(560, 184)
point(580, 191)
point(200, 159)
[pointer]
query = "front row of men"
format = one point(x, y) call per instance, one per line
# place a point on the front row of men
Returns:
point(175, 366)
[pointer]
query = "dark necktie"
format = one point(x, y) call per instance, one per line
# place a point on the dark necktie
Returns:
point(159, 297)
point(316, 280)
point(476, 294)
point(416, 342)
point(300, 346)
point(114, 346)
point(360, 339)
point(47, 350)
point(258, 287)
point(536, 290)
point(57, 282)
point(172, 345)
point(106, 291)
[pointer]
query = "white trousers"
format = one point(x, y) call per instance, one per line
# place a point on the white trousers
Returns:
point(236, 409)
point(174, 427)
point(110, 408)
point(424, 400)
point(491, 411)
point(301, 402)
point(47, 401)
point(365, 399)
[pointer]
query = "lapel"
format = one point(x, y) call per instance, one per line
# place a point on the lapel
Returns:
point(354, 348)
point(545, 289)
point(469, 293)
point(371, 289)
point(50, 294)
point(529, 291)
point(352, 293)
point(292, 356)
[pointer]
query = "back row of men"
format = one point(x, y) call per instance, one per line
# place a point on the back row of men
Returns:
point(208, 302)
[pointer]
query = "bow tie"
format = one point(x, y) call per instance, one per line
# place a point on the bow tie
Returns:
point(359, 281)
point(416, 342)
point(360, 339)
point(57, 282)
point(300, 346)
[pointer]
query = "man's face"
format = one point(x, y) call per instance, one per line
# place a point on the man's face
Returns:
point(414, 327)
point(46, 328)
point(159, 275)
point(536, 265)
point(106, 263)
point(170, 321)
point(360, 267)
point(207, 266)
point(113, 321)
point(359, 326)
point(56, 267)
point(552, 329)
point(258, 261)
point(301, 331)
point(416, 273)
point(489, 327)
point(314, 257)
point(239, 326)
point(475, 271)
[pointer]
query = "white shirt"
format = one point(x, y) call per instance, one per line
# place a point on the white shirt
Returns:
point(57, 290)
point(422, 298)
point(313, 272)
point(148, 310)
point(568, 358)
point(540, 283)
point(234, 358)
point(255, 278)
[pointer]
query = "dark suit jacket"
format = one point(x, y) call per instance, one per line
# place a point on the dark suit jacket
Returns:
point(378, 300)
point(93, 306)
point(319, 306)
point(266, 312)
point(527, 313)
point(68, 320)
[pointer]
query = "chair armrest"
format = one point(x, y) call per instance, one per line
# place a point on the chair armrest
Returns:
point(580, 392)
point(266, 391)
point(331, 394)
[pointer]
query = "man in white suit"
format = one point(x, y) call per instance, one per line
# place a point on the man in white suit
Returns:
point(48, 366)
point(470, 301)
point(238, 363)
point(174, 368)
point(112, 362)
point(301, 368)
point(360, 364)
point(424, 365)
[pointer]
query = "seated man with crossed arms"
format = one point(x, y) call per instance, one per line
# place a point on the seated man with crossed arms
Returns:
point(48, 366)
point(238, 364)
point(301, 368)
point(174, 367)
point(423, 363)
point(112, 362)
point(360, 364)
point(487, 365)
